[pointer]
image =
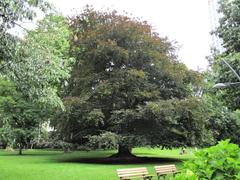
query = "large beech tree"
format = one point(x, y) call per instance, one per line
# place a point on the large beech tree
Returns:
point(127, 80)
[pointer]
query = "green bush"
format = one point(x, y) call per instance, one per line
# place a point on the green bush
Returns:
point(105, 141)
point(186, 175)
point(219, 162)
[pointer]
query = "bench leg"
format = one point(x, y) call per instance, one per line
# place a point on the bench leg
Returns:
point(147, 178)
point(159, 177)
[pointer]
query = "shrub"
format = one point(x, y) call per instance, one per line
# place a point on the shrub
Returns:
point(54, 144)
point(217, 162)
point(186, 175)
point(105, 140)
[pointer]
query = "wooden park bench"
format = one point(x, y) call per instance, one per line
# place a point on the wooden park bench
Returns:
point(164, 170)
point(134, 173)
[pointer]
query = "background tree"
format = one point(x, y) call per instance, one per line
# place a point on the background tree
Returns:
point(41, 65)
point(35, 67)
point(12, 12)
point(18, 10)
point(224, 103)
point(35, 64)
point(19, 118)
point(223, 122)
point(123, 77)
point(228, 31)
point(228, 28)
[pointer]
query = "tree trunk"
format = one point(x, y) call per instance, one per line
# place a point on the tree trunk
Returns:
point(32, 144)
point(20, 149)
point(4, 146)
point(124, 151)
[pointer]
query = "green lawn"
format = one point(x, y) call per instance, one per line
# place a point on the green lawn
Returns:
point(46, 165)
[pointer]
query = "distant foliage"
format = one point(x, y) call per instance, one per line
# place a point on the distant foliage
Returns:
point(32, 70)
point(222, 74)
point(14, 11)
point(19, 118)
point(106, 140)
point(218, 162)
point(229, 26)
point(228, 31)
point(11, 13)
point(223, 122)
point(41, 66)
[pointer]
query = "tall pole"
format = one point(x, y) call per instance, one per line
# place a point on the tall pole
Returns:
point(231, 69)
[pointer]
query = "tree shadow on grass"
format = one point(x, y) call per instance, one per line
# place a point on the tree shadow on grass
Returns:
point(28, 154)
point(120, 160)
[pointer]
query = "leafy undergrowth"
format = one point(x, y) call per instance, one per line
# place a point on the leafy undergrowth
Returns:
point(42, 164)
point(220, 162)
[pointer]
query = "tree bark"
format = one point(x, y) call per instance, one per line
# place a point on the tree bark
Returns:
point(124, 151)
point(4, 146)
point(20, 149)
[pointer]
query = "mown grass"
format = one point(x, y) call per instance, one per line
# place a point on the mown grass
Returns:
point(49, 165)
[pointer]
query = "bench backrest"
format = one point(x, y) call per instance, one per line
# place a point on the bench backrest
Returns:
point(165, 169)
point(132, 172)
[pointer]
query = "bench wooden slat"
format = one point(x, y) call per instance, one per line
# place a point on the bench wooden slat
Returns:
point(166, 169)
point(136, 177)
point(159, 170)
point(166, 172)
point(132, 169)
point(166, 166)
point(132, 173)
point(136, 174)
point(171, 169)
point(163, 170)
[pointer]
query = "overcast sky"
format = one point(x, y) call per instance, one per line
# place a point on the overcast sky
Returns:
point(186, 21)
